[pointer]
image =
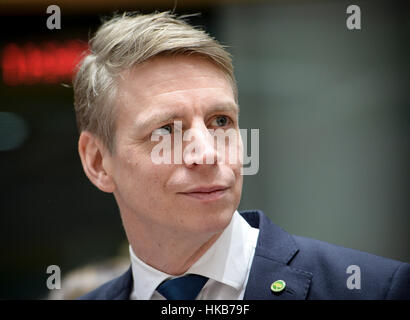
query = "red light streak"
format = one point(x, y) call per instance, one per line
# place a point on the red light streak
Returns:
point(49, 62)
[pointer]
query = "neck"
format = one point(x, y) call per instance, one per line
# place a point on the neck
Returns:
point(167, 251)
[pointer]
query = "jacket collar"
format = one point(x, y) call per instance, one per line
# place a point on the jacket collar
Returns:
point(273, 254)
point(274, 251)
point(119, 288)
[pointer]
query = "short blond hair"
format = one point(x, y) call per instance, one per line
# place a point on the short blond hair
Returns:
point(123, 42)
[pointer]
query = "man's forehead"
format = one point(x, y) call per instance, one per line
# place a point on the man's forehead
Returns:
point(168, 71)
point(164, 81)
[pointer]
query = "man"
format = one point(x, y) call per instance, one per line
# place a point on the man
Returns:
point(153, 77)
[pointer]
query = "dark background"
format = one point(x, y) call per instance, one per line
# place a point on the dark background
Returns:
point(332, 106)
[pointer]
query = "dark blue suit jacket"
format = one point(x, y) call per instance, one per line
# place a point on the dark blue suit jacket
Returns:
point(311, 269)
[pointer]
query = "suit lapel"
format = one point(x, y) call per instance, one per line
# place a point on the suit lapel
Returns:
point(120, 288)
point(274, 251)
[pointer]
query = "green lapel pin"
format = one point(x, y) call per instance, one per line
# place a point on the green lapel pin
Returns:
point(278, 286)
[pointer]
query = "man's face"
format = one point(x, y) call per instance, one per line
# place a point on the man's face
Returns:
point(188, 197)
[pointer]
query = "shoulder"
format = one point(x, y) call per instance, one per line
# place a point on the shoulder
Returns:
point(344, 273)
point(116, 289)
point(329, 271)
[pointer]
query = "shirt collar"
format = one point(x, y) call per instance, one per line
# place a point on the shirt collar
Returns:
point(226, 261)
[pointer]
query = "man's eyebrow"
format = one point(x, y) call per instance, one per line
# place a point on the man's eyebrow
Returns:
point(225, 107)
point(160, 117)
point(163, 117)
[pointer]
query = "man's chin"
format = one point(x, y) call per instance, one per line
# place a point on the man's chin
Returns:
point(212, 221)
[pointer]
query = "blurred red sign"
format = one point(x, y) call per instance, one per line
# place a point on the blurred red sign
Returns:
point(49, 62)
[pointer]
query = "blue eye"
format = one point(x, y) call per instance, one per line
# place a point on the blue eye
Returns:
point(220, 121)
point(167, 129)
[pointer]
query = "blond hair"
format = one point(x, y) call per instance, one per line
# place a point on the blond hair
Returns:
point(123, 42)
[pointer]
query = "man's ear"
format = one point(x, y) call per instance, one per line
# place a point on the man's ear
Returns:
point(92, 153)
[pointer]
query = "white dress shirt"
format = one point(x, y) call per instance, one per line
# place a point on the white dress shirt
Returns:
point(226, 263)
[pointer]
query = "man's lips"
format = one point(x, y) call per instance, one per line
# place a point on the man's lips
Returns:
point(206, 193)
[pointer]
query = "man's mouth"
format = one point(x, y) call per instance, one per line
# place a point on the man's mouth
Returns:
point(206, 193)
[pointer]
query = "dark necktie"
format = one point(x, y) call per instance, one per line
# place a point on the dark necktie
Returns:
point(183, 288)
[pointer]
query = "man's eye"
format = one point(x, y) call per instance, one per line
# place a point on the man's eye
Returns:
point(220, 121)
point(167, 129)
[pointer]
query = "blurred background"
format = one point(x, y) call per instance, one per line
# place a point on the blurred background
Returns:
point(332, 106)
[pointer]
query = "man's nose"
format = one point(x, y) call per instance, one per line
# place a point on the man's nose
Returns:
point(199, 146)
